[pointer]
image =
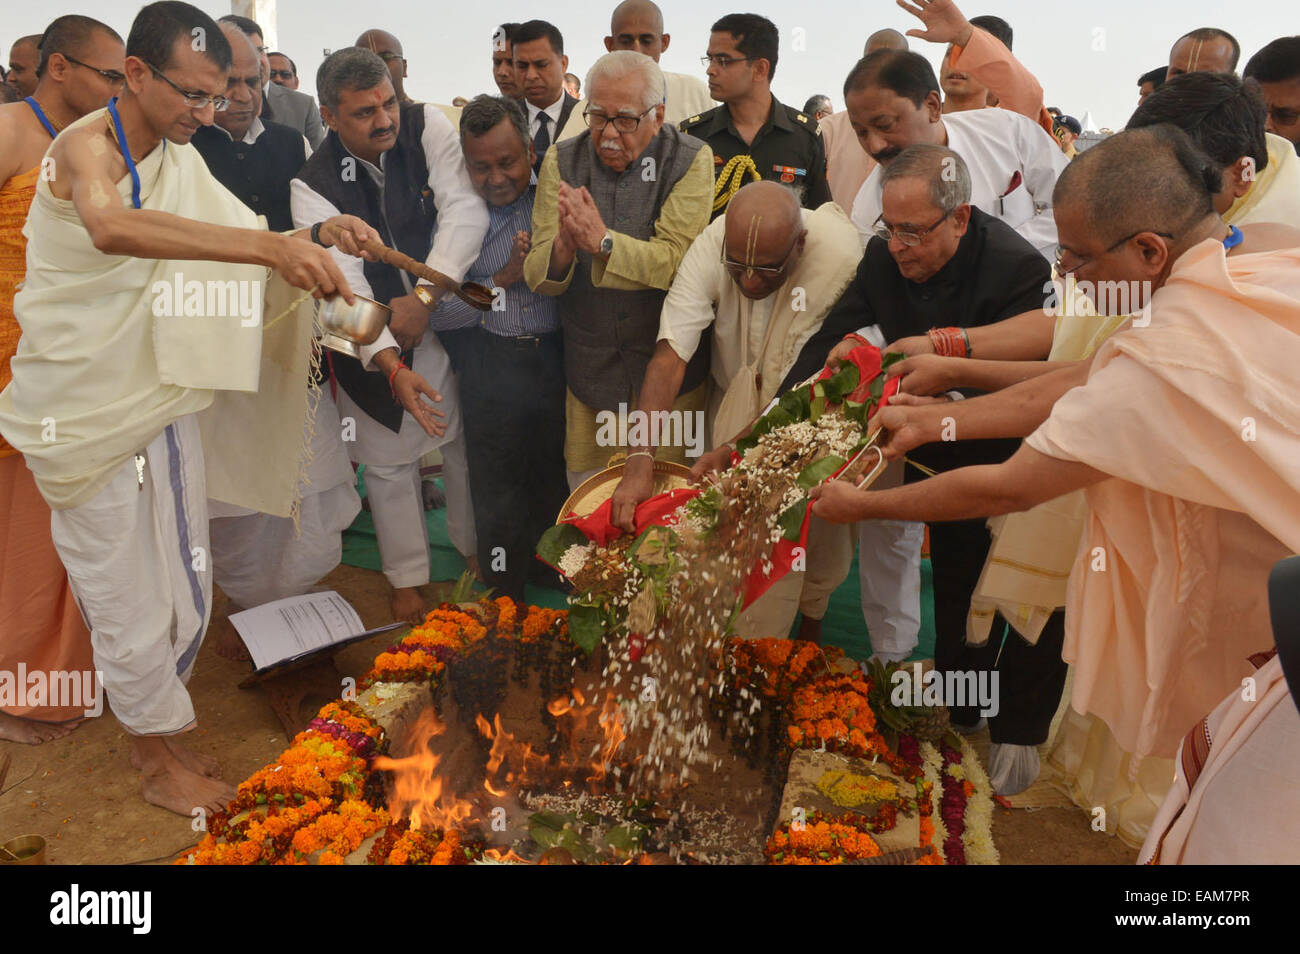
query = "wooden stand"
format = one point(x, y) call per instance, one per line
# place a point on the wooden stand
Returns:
point(287, 686)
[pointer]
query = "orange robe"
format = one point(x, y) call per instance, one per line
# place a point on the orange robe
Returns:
point(40, 623)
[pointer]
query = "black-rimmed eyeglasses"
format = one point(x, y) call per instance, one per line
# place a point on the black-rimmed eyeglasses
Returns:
point(624, 124)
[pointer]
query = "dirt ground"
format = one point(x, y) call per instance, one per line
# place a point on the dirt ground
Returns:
point(80, 793)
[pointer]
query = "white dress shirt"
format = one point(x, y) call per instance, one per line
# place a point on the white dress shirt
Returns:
point(553, 111)
point(1000, 148)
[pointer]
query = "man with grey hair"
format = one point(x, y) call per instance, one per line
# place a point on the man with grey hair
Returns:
point(616, 209)
point(935, 260)
point(399, 167)
point(280, 103)
point(638, 25)
point(509, 361)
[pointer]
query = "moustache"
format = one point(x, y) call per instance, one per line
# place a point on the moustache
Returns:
point(886, 155)
point(381, 133)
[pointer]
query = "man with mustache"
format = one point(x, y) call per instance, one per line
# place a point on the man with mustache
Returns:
point(400, 168)
point(280, 103)
point(752, 134)
point(638, 25)
point(893, 101)
point(616, 209)
point(503, 61)
point(1276, 68)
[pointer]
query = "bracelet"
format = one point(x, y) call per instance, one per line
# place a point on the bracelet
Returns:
point(965, 337)
point(639, 453)
point(949, 342)
point(857, 337)
point(401, 366)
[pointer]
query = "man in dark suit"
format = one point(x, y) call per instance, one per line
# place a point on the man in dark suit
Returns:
point(540, 65)
point(286, 106)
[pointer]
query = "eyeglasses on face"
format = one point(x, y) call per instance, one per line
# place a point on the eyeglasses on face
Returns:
point(282, 74)
point(113, 76)
point(388, 56)
point(722, 60)
point(909, 237)
point(737, 269)
point(1061, 252)
point(193, 100)
point(623, 123)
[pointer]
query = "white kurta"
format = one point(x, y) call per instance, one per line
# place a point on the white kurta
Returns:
point(1000, 148)
point(393, 459)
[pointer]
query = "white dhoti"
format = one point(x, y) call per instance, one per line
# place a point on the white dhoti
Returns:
point(889, 574)
point(136, 556)
point(829, 554)
point(259, 558)
point(392, 462)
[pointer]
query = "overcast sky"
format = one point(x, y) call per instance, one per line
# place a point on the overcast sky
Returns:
point(1087, 55)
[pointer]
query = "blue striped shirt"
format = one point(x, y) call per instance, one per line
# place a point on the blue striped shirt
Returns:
point(522, 311)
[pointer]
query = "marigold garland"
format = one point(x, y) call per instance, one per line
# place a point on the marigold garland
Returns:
point(821, 840)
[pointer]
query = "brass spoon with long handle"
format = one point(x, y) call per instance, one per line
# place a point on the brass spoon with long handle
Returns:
point(471, 293)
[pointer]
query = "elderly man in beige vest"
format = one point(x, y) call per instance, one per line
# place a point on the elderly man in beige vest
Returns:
point(616, 209)
point(762, 277)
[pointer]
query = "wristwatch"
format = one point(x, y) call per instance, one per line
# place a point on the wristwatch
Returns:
point(425, 297)
point(607, 244)
point(315, 234)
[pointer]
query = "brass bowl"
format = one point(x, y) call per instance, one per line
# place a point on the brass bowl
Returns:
point(23, 850)
point(348, 326)
point(598, 488)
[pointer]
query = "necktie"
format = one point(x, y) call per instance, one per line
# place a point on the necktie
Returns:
point(542, 141)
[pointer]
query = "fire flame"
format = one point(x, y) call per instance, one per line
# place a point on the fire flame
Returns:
point(418, 791)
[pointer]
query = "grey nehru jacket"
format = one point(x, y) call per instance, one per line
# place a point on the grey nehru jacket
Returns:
point(609, 335)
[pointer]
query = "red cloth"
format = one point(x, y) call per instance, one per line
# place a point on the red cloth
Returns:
point(659, 510)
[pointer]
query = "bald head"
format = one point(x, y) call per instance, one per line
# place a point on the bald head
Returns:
point(764, 229)
point(1152, 179)
point(1207, 50)
point(637, 25)
point(388, 48)
point(885, 40)
point(24, 56)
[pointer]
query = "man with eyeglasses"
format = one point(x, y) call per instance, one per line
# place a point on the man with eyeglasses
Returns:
point(538, 50)
point(283, 70)
point(753, 135)
point(279, 103)
point(760, 280)
point(1182, 439)
point(112, 387)
point(40, 620)
point(638, 25)
point(935, 257)
point(893, 101)
point(389, 49)
point(616, 209)
point(401, 168)
point(1276, 68)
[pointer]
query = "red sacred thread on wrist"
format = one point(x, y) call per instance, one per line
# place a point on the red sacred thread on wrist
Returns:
point(857, 337)
point(949, 342)
point(401, 365)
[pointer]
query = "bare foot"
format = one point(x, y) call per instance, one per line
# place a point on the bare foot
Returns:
point(229, 643)
point(32, 731)
point(196, 762)
point(811, 630)
point(408, 605)
point(167, 783)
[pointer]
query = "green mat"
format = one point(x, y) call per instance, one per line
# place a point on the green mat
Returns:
point(843, 625)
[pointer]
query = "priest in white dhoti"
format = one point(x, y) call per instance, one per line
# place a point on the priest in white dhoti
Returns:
point(399, 167)
point(143, 339)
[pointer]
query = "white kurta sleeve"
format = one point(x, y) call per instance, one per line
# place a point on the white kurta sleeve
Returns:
point(866, 207)
point(1043, 162)
point(309, 207)
point(688, 309)
point(462, 214)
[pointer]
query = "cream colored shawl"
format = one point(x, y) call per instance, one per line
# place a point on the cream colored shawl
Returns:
point(107, 358)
